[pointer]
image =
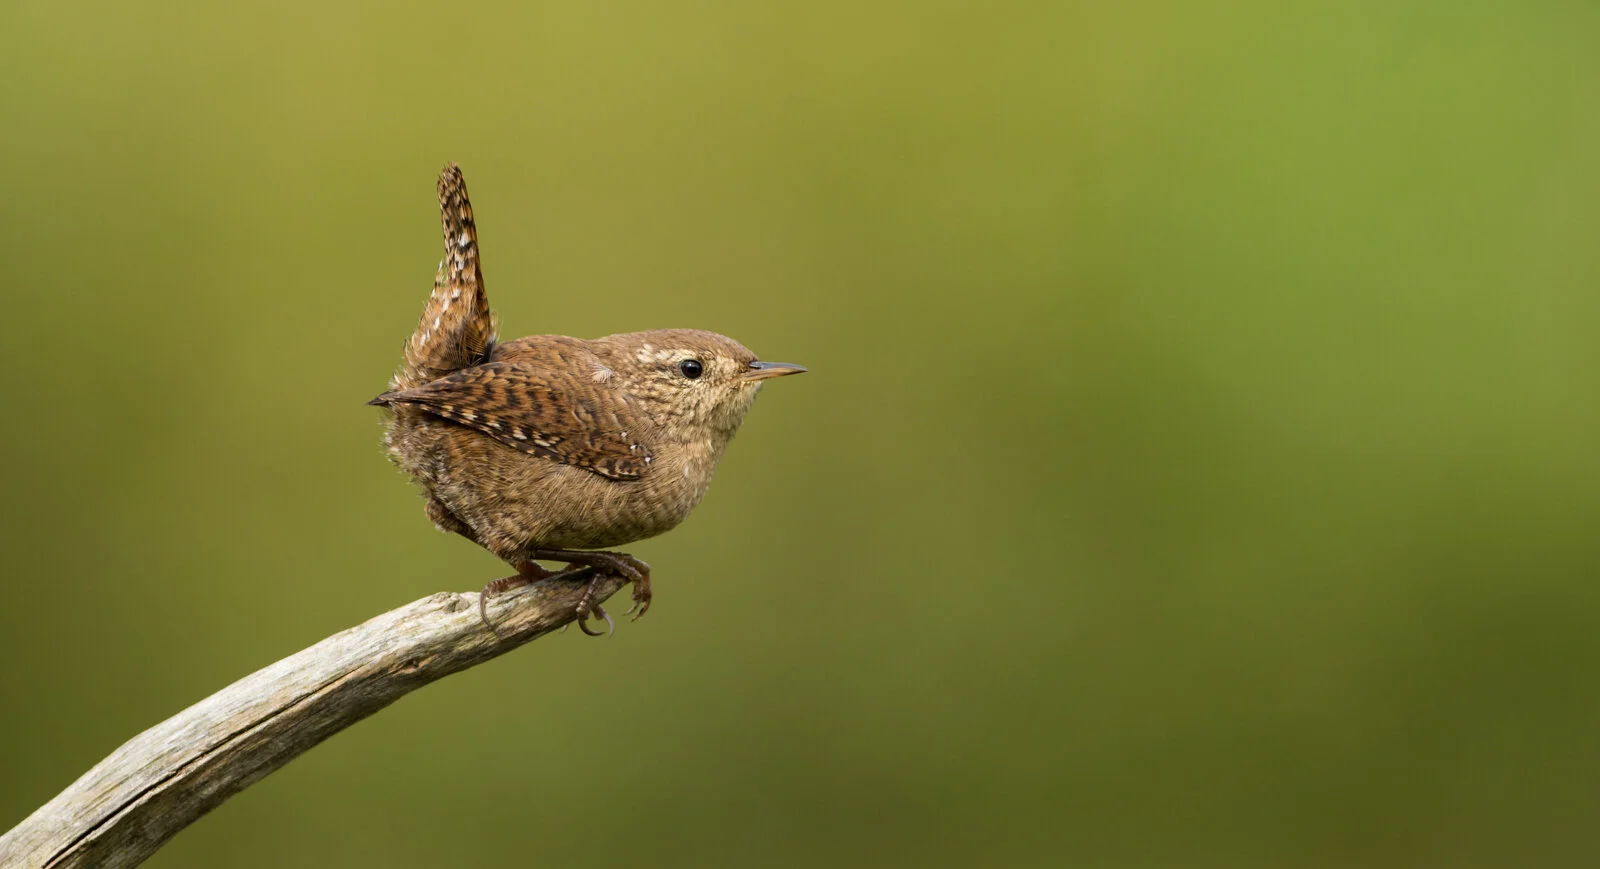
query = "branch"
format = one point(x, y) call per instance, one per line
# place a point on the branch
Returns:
point(165, 778)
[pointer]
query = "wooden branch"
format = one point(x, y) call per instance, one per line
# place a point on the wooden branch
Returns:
point(165, 778)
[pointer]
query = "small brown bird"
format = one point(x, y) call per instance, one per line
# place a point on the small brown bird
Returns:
point(549, 447)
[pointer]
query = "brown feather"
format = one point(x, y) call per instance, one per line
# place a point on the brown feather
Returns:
point(456, 329)
point(539, 411)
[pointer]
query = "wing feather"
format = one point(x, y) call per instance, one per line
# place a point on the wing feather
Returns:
point(541, 412)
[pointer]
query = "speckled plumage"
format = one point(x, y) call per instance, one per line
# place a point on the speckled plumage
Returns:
point(548, 446)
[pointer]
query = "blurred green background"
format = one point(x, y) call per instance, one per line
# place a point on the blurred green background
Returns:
point(1198, 465)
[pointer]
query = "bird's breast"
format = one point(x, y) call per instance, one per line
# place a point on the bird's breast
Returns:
point(571, 508)
point(674, 485)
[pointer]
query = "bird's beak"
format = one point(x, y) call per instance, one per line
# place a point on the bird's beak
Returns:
point(764, 370)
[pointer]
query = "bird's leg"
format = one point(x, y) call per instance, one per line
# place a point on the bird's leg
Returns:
point(527, 572)
point(620, 563)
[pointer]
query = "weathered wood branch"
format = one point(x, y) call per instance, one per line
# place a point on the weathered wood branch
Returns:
point(165, 778)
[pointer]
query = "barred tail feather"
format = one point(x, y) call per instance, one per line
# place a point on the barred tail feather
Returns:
point(457, 328)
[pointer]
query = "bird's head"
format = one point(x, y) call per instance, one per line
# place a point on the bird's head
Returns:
point(692, 383)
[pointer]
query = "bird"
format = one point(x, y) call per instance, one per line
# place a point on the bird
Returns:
point(552, 448)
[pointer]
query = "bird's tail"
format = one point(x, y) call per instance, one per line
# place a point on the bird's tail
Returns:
point(457, 329)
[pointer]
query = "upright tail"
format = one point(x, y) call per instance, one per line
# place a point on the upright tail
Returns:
point(457, 329)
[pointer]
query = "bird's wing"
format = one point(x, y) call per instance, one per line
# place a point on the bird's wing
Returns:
point(539, 411)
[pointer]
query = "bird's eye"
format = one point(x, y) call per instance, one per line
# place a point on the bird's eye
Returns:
point(691, 368)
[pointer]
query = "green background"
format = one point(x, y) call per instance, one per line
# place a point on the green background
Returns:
point(1199, 464)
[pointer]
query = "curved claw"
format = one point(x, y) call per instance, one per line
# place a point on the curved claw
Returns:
point(583, 621)
point(587, 605)
point(641, 599)
point(483, 611)
point(494, 588)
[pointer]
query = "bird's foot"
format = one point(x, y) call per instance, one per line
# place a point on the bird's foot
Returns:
point(527, 572)
point(641, 593)
point(587, 604)
point(638, 574)
point(619, 563)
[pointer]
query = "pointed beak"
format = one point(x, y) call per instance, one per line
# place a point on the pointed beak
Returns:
point(764, 370)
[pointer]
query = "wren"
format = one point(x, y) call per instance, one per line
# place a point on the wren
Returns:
point(554, 448)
